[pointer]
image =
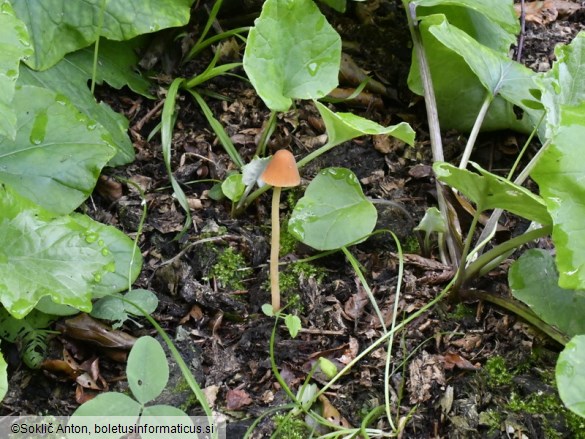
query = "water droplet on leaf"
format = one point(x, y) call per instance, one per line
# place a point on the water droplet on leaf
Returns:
point(312, 68)
point(39, 128)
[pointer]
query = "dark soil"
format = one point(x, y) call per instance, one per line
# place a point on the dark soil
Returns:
point(459, 370)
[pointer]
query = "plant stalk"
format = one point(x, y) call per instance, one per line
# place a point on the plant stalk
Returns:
point(475, 130)
point(475, 267)
point(275, 250)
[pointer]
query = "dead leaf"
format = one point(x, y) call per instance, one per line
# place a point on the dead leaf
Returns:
point(210, 393)
point(450, 360)
point(85, 328)
point(351, 352)
point(547, 11)
point(236, 399)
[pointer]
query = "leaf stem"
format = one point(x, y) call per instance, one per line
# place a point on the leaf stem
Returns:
point(475, 130)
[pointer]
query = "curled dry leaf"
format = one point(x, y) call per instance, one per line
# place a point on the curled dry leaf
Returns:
point(425, 371)
point(85, 328)
point(451, 360)
point(237, 398)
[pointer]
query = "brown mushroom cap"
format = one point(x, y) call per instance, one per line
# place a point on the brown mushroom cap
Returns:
point(282, 170)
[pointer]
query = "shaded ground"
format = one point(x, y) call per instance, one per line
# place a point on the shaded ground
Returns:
point(470, 370)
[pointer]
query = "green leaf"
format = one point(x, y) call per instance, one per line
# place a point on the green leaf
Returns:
point(292, 53)
point(570, 375)
point(327, 366)
point(127, 257)
point(70, 78)
point(58, 27)
point(342, 127)
point(489, 191)
point(561, 177)
point(432, 221)
point(43, 255)
point(114, 309)
point(533, 279)
point(147, 369)
point(499, 74)
point(105, 406)
point(460, 100)
point(293, 324)
point(267, 309)
point(500, 12)
point(334, 211)
point(564, 84)
point(58, 153)
point(14, 46)
point(338, 5)
point(233, 187)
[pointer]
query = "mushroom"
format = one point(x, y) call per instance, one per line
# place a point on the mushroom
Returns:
point(280, 172)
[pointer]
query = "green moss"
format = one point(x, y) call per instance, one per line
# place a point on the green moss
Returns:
point(461, 311)
point(498, 372)
point(290, 427)
point(548, 407)
point(411, 245)
point(288, 242)
point(230, 270)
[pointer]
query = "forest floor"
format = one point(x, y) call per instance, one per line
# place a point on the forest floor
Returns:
point(463, 370)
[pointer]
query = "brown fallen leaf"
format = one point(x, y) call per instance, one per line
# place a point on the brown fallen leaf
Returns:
point(547, 11)
point(451, 360)
point(237, 398)
point(85, 328)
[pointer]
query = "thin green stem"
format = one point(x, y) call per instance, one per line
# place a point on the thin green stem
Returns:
point(459, 277)
point(266, 133)
point(475, 267)
point(475, 130)
point(525, 147)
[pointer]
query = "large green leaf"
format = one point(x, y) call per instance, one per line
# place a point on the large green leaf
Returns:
point(14, 46)
point(460, 100)
point(564, 84)
point(489, 191)
point(70, 77)
point(561, 177)
point(58, 27)
point(533, 279)
point(292, 53)
point(334, 211)
point(43, 255)
point(58, 152)
point(570, 375)
point(500, 12)
point(497, 72)
point(342, 127)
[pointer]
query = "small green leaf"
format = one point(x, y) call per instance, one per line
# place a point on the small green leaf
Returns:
point(147, 369)
point(101, 410)
point(292, 53)
point(233, 187)
point(58, 152)
point(431, 222)
point(114, 309)
point(489, 191)
point(533, 279)
point(267, 309)
point(328, 368)
point(342, 127)
point(570, 375)
point(293, 324)
point(334, 211)
point(108, 404)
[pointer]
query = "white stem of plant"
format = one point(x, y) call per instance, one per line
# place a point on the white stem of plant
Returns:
point(475, 130)
point(275, 249)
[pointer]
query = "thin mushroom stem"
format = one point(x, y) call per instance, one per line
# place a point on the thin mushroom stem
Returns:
point(275, 249)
